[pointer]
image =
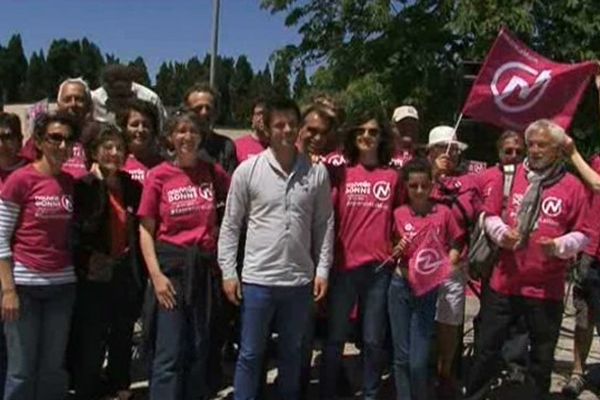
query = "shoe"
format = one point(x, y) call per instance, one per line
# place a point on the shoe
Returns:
point(574, 386)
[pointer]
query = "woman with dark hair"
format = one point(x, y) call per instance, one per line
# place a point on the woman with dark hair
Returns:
point(366, 192)
point(36, 270)
point(110, 287)
point(11, 140)
point(139, 120)
point(178, 236)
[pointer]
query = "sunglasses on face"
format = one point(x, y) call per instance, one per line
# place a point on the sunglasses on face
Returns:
point(58, 139)
point(416, 186)
point(513, 151)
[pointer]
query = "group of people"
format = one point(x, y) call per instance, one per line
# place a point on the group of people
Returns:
point(316, 221)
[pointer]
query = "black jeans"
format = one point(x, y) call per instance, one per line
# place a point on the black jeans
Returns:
point(105, 313)
point(499, 312)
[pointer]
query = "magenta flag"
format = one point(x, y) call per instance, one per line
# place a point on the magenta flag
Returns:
point(428, 265)
point(517, 86)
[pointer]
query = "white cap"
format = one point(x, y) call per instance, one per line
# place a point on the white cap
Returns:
point(443, 135)
point(405, 112)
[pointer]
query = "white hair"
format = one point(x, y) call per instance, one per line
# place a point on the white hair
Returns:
point(76, 81)
point(545, 125)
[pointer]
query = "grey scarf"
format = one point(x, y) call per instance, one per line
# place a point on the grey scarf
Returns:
point(529, 211)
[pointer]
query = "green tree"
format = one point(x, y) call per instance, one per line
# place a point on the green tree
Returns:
point(13, 67)
point(281, 75)
point(164, 87)
point(36, 82)
point(62, 63)
point(90, 63)
point(300, 84)
point(141, 71)
point(240, 90)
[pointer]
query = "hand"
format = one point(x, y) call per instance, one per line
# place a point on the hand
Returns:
point(401, 247)
point(95, 169)
point(548, 246)
point(10, 305)
point(568, 146)
point(165, 292)
point(510, 239)
point(320, 288)
point(233, 290)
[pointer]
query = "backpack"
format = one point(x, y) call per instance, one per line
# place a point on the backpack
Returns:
point(483, 254)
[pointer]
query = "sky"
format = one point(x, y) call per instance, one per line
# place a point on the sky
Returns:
point(157, 30)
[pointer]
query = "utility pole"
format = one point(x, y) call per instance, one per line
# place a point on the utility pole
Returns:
point(215, 41)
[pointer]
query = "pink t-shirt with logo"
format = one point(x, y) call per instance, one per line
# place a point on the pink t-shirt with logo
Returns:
point(248, 146)
point(183, 203)
point(486, 179)
point(465, 190)
point(400, 158)
point(528, 271)
point(41, 237)
point(593, 247)
point(74, 166)
point(5, 173)
point(364, 202)
point(408, 224)
point(136, 170)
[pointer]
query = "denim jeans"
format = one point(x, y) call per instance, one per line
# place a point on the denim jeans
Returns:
point(499, 312)
point(289, 308)
point(370, 288)
point(37, 343)
point(412, 320)
point(180, 355)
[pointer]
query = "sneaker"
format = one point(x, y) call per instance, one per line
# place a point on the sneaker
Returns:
point(574, 386)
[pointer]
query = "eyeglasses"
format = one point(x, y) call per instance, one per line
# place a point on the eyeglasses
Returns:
point(58, 139)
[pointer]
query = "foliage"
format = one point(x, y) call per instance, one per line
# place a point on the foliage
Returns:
point(416, 48)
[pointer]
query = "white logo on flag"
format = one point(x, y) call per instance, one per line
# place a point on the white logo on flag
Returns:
point(552, 206)
point(382, 190)
point(528, 95)
point(428, 261)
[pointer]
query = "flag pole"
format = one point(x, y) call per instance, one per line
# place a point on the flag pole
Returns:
point(460, 117)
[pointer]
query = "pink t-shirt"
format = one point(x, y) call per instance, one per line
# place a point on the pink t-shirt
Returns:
point(335, 158)
point(183, 203)
point(528, 271)
point(364, 204)
point(74, 166)
point(137, 170)
point(400, 158)
point(408, 224)
point(41, 237)
point(465, 190)
point(247, 146)
point(5, 173)
point(593, 247)
point(486, 179)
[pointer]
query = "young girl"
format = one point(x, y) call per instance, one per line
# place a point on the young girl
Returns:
point(412, 318)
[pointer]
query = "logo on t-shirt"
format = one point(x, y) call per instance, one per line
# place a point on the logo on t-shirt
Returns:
point(66, 202)
point(336, 160)
point(552, 206)
point(382, 190)
point(428, 261)
point(137, 175)
point(53, 206)
point(205, 190)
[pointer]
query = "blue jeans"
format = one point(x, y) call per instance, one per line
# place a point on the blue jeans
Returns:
point(289, 307)
point(370, 289)
point(412, 320)
point(180, 353)
point(37, 343)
